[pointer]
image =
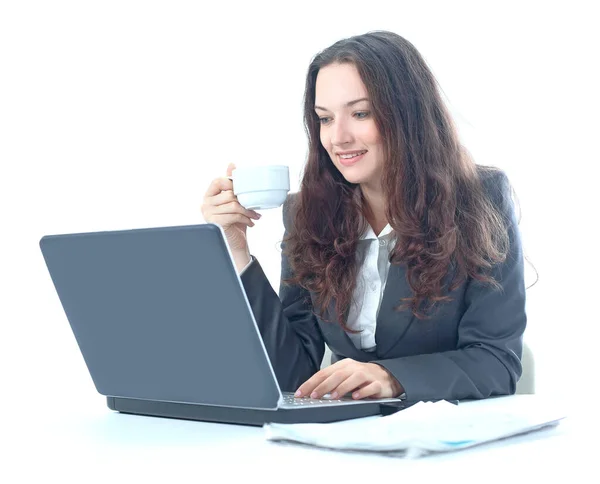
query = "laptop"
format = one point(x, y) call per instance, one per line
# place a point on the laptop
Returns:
point(162, 320)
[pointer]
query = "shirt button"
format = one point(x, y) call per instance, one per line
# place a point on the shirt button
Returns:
point(373, 286)
point(382, 243)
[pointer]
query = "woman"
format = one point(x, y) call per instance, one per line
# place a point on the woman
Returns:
point(399, 251)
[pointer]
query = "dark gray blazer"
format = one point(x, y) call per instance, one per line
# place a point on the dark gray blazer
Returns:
point(470, 348)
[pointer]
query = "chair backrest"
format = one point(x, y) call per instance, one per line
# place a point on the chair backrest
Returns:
point(526, 383)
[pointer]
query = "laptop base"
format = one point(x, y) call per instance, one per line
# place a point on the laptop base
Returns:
point(243, 416)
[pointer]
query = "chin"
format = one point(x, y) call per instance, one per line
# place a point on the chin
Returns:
point(354, 180)
point(353, 176)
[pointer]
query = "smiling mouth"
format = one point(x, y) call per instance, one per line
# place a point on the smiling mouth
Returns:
point(349, 156)
point(349, 159)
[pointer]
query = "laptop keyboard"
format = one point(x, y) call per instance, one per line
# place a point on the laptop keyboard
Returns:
point(290, 400)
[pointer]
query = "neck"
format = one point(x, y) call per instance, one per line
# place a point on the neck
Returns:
point(376, 205)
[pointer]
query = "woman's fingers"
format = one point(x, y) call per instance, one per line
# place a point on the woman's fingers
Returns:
point(362, 379)
point(220, 206)
point(225, 220)
point(308, 387)
point(228, 197)
point(225, 196)
point(230, 168)
point(372, 390)
point(330, 384)
point(354, 381)
point(234, 208)
point(217, 186)
point(223, 205)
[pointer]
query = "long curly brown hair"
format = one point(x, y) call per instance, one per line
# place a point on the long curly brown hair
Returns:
point(435, 200)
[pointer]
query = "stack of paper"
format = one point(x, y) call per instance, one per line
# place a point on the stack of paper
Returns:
point(424, 427)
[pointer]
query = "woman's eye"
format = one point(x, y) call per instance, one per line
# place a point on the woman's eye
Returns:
point(324, 120)
point(361, 114)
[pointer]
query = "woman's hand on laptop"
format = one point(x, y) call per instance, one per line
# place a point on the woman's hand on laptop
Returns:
point(221, 207)
point(347, 375)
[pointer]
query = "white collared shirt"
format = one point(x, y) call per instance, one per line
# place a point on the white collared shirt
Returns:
point(373, 259)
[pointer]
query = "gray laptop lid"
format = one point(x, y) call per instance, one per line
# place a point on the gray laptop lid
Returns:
point(161, 314)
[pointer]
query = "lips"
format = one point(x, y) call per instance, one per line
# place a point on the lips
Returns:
point(345, 161)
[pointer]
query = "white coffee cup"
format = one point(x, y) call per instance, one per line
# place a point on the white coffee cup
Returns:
point(261, 187)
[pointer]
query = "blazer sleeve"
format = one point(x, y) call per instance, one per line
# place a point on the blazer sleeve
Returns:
point(487, 360)
point(287, 324)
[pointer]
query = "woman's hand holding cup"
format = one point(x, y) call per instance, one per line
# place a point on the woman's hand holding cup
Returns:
point(221, 207)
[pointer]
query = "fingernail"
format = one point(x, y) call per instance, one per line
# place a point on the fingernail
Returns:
point(298, 393)
point(334, 395)
point(313, 395)
point(355, 395)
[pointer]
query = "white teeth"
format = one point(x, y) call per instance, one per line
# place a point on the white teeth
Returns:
point(345, 157)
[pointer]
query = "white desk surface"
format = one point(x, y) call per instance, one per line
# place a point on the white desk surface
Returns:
point(90, 443)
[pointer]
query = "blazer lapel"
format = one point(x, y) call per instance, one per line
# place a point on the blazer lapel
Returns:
point(337, 339)
point(392, 325)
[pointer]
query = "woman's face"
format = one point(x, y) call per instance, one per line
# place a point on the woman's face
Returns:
point(348, 130)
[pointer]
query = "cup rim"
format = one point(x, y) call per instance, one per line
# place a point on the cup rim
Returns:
point(262, 190)
point(285, 167)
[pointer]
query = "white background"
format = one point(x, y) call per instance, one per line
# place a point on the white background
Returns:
point(118, 114)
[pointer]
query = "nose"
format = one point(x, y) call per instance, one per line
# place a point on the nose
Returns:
point(341, 133)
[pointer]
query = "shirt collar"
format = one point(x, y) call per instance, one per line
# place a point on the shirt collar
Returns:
point(369, 234)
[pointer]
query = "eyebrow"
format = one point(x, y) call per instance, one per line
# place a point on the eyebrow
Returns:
point(348, 104)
